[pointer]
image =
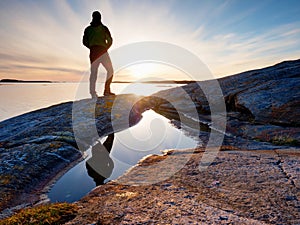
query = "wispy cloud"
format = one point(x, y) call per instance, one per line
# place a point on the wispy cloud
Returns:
point(246, 51)
point(43, 38)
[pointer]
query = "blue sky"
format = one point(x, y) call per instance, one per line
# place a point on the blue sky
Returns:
point(41, 39)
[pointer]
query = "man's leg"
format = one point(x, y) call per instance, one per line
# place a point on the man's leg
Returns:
point(93, 77)
point(106, 62)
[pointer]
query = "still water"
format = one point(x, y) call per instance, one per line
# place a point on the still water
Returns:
point(151, 135)
point(19, 98)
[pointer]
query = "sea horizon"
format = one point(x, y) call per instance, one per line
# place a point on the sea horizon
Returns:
point(36, 96)
point(9, 80)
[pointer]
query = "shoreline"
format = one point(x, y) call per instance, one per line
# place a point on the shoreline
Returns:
point(38, 194)
point(37, 140)
point(130, 176)
point(52, 180)
point(228, 191)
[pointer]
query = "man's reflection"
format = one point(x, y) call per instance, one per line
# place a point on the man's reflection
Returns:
point(100, 165)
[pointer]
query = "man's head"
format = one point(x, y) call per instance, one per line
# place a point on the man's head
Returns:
point(96, 16)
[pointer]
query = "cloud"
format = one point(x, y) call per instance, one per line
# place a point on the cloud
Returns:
point(57, 69)
point(39, 35)
point(246, 51)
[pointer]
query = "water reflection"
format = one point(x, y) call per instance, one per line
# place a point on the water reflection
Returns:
point(118, 153)
point(101, 165)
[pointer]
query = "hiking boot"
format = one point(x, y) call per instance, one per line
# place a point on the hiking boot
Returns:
point(107, 93)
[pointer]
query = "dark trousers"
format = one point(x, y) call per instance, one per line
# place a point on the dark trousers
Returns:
point(99, 55)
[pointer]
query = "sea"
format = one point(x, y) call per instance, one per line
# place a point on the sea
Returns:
point(20, 98)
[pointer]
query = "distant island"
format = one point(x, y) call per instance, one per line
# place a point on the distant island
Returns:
point(7, 80)
point(24, 81)
point(160, 82)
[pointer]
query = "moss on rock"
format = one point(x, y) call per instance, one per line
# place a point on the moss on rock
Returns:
point(57, 213)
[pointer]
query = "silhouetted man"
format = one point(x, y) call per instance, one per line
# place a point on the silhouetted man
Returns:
point(98, 39)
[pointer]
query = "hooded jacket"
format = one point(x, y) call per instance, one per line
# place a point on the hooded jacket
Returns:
point(98, 35)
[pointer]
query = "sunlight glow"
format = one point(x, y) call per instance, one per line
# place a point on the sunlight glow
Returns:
point(144, 70)
point(151, 71)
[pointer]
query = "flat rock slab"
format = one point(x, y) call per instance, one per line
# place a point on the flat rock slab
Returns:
point(239, 187)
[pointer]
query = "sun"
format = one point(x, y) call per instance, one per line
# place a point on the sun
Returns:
point(152, 71)
point(143, 70)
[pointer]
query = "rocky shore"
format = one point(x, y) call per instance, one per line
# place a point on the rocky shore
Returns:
point(254, 179)
point(262, 106)
point(239, 187)
point(36, 146)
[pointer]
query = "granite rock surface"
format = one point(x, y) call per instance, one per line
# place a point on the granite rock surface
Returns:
point(239, 187)
point(260, 106)
point(35, 146)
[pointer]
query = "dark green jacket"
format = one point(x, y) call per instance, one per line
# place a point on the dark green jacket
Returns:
point(97, 35)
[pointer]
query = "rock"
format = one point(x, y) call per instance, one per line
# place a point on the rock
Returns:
point(273, 102)
point(223, 217)
point(262, 105)
point(253, 189)
point(35, 146)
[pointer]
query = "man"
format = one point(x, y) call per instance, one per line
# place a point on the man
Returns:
point(98, 39)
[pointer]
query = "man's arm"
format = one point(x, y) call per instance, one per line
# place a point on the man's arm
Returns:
point(108, 38)
point(85, 39)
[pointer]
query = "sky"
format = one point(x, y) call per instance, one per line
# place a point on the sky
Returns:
point(41, 39)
